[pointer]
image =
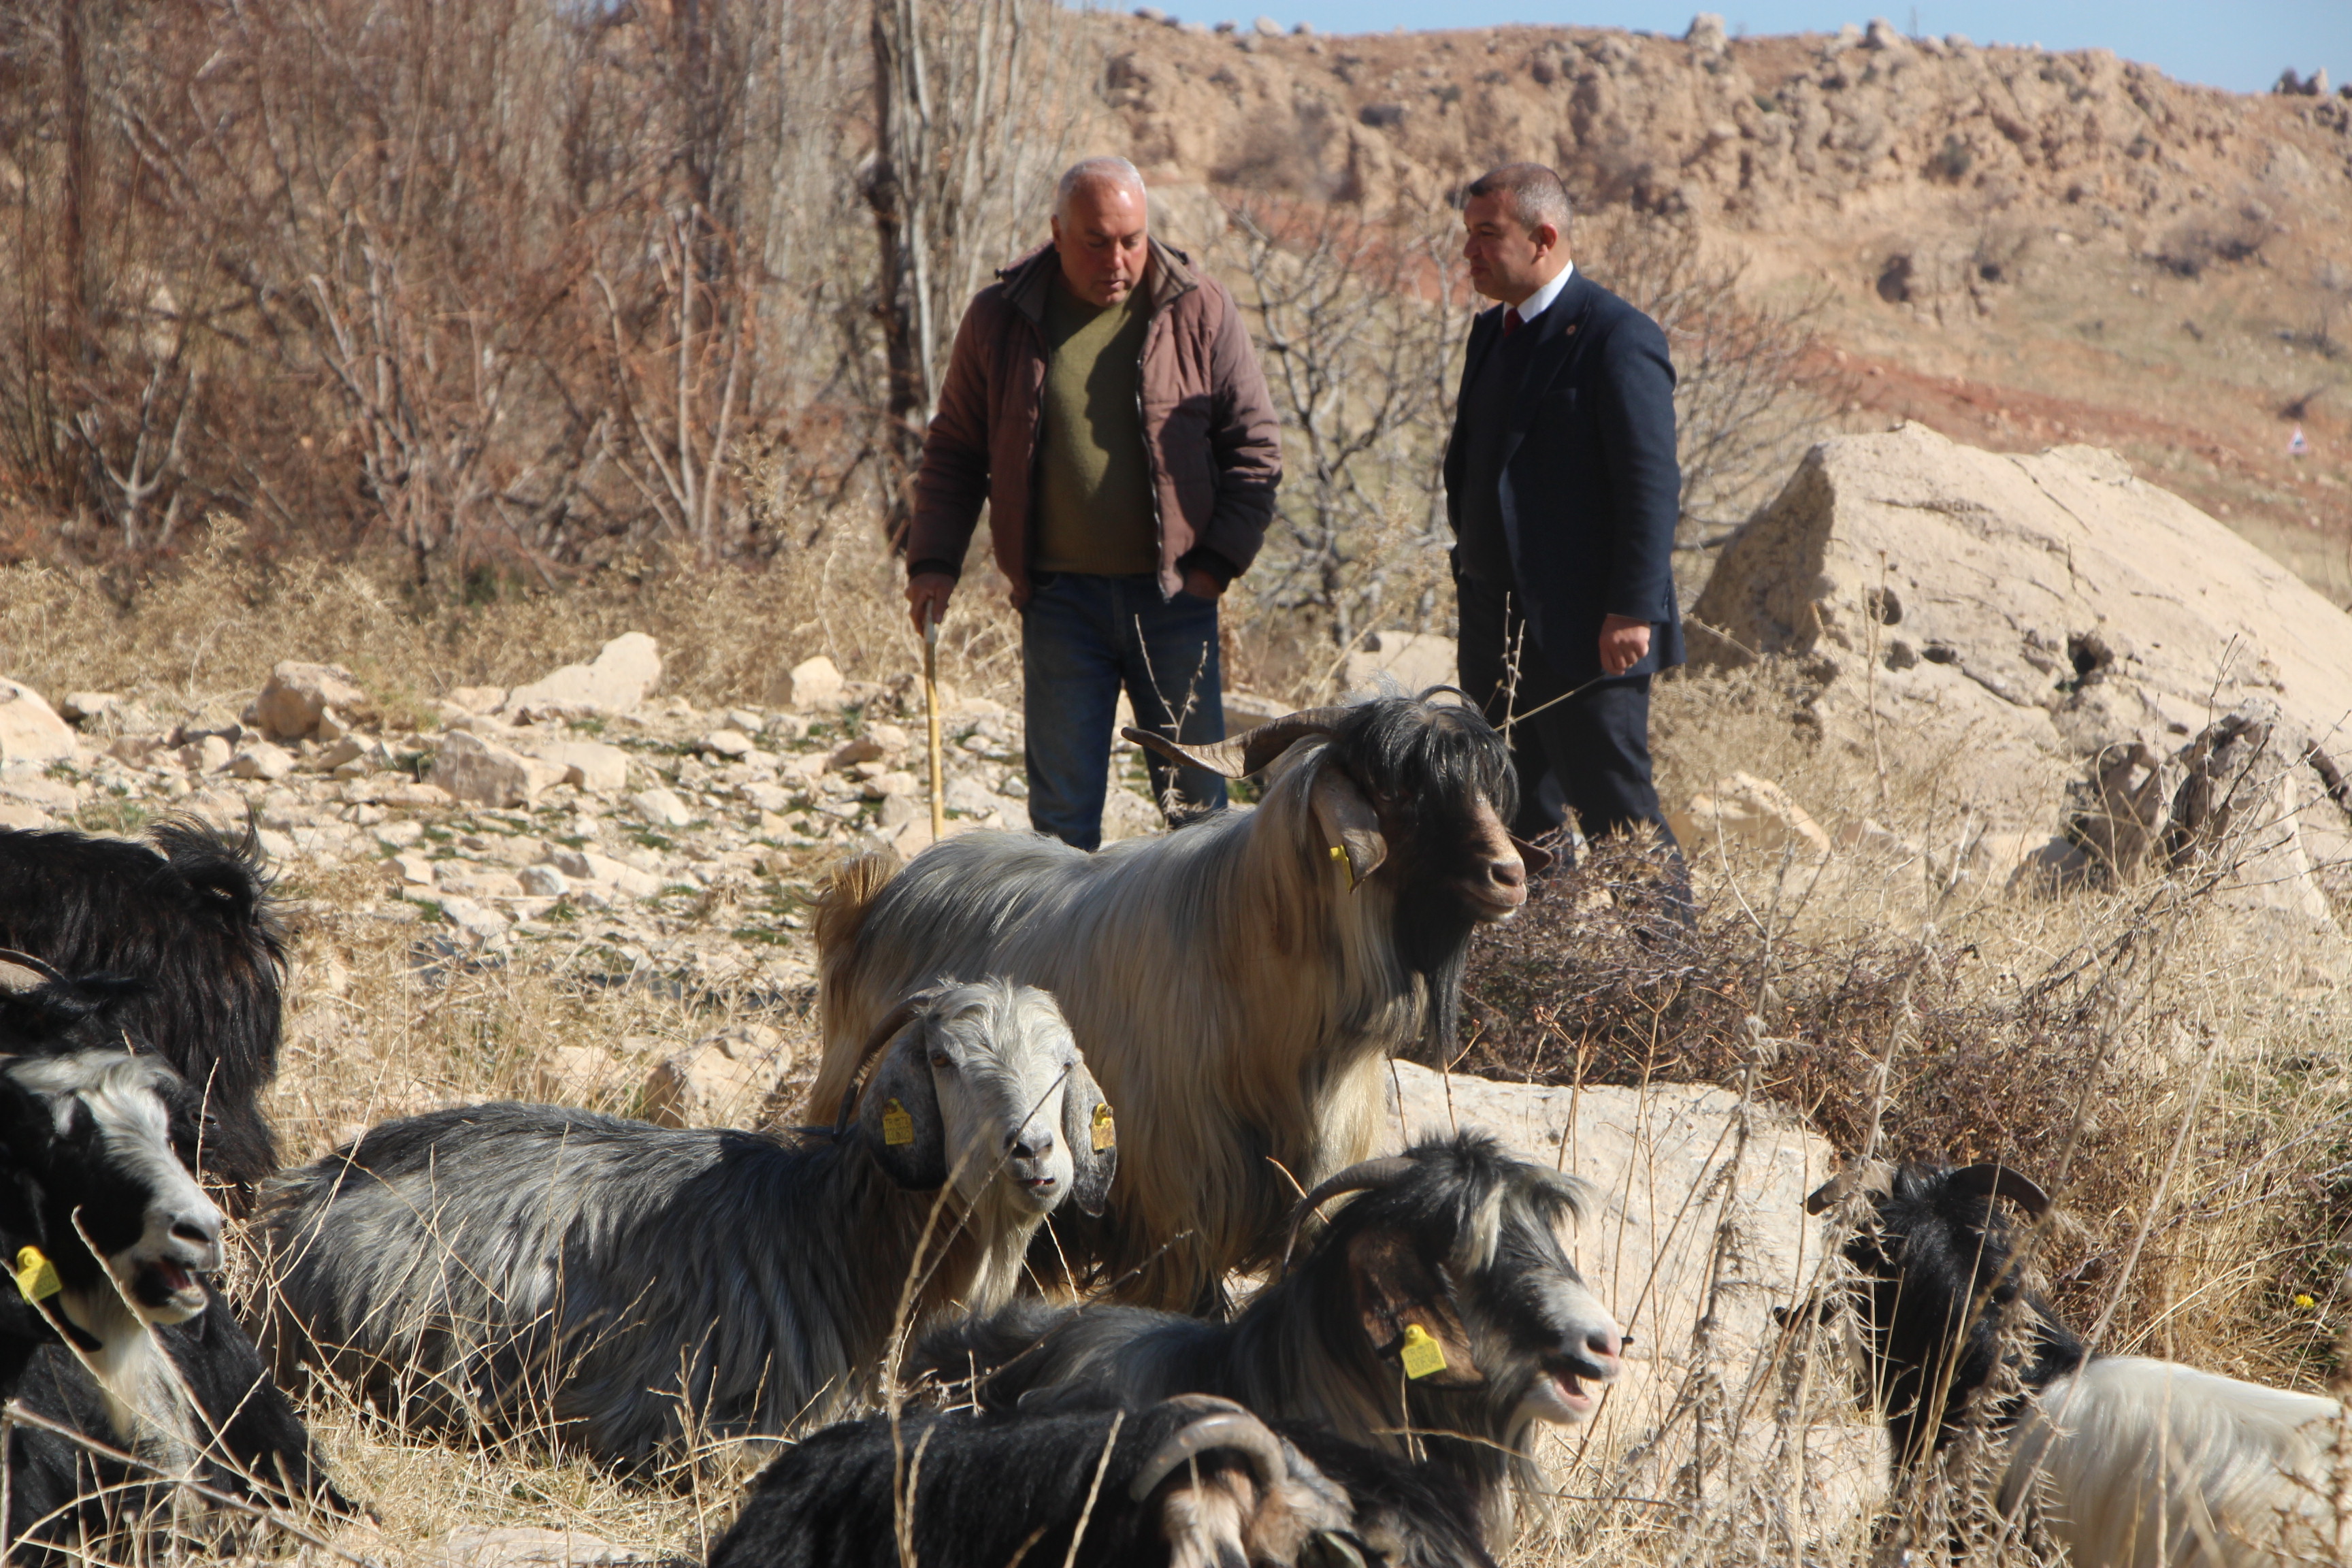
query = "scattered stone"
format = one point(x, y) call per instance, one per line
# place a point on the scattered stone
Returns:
point(1746, 810)
point(1247, 711)
point(624, 671)
point(849, 754)
point(1706, 32)
point(80, 707)
point(477, 923)
point(544, 881)
point(398, 835)
point(727, 743)
point(23, 814)
point(415, 870)
point(412, 796)
point(884, 785)
point(661, 808)
point(471, 768)
point(811, 683)
point(521, 1546)
point(298, 696)
point(469, 881)
point(481, 700)
point(260, 760)
point(578, 1075)
point(719, 1081)
point(786, 727)
point(1267, 27)
point(1126, 815)
point(891, 738)
point(208, 756)
point(603, 872)
point(764, 796)
point(897, 810)
point(30, 732)
point(591, 765)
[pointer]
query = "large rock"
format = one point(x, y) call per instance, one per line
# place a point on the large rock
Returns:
point(2024, 612)
point(626, 669)
point(471, 768)
point(1701, 1231)
point(721, 1081)
point(30, 732)
point(1413, 661)
point(591, 765)
point(298, 696)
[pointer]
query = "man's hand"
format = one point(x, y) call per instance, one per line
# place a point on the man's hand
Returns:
point(1202, 584)
point(1625, 642)
point(928, 590)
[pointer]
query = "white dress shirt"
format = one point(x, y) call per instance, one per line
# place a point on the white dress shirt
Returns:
point(1537, 303)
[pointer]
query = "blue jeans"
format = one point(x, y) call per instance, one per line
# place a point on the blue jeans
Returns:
point(1082, 638)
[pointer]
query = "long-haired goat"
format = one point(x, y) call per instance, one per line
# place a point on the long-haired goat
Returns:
point(1438, 1308)
point(109, 1327)
point(1189, 1483)
point(621, 1284)
point(2130, 1462)
point(192, 918)
point(1237, 983)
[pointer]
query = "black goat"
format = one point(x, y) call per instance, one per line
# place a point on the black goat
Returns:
point(107, 1232)
point(1191, 1483)
point(1439, 1303)
point(2132, 1462)
point(192, 920)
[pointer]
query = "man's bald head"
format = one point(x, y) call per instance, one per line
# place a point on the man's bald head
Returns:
point(1094, 177)
point(1100, 217)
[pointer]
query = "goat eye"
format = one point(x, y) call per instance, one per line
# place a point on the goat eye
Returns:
point(939, 1059)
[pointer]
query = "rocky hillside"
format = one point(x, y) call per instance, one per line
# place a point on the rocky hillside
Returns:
point(2016, 246)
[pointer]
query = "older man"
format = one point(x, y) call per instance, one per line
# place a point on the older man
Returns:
point(1563, 490)
point(1102, 397)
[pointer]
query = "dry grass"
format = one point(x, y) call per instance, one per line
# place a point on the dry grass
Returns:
point(2168, 1063)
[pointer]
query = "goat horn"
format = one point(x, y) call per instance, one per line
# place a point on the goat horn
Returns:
point(2001, 1181)
point(1245, 754)
point(1231, 1427)
point(1362, 1176)
point(21, 972)
point(1832, 1193)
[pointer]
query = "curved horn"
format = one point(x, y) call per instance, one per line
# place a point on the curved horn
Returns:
point(2001, 1181)
point(1242, 755)
point(1362, 1176)
point(1231, 1427)
point(883, 1032)
point(21, 972)
point(1833, 1192)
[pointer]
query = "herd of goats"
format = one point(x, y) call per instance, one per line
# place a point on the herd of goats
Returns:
point(1067, 1100)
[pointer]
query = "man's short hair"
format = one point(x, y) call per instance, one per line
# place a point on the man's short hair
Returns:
point(1532, 194)
point(1105, 169)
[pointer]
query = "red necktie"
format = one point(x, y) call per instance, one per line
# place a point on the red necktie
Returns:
point(1511, 322)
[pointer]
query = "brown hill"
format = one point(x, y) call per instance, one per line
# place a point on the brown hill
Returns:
point(2017, 248)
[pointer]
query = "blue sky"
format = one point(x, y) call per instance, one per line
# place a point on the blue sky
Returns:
point(2237, 44)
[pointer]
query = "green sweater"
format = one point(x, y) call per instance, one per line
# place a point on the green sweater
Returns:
point(1092, 511)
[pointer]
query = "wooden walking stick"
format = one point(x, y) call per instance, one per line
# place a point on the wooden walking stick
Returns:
point(931, 713)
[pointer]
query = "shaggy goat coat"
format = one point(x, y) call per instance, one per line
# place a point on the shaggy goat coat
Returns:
point(2129, 1462)
point(632, 1287)
point(193, 920)
point(1457, 1240)
point(1237, 984)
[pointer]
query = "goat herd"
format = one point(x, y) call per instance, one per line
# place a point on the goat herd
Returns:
point(967, 1212)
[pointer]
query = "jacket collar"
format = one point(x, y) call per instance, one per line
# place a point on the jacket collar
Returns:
point(1028, 280)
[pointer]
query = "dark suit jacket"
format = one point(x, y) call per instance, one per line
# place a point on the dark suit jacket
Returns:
point(1591, 491)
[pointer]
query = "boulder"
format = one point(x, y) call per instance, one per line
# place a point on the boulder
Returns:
point(2004, 619)
point(1413, 661)
point(624, 671)
point(471, 768)
point(31, 734)
point(661, 807)
point(730, 743)
point(811, 683)
point(298, 697)
point(721, 1080)
point(415, 867)
point(591, 765)
point(1673, 1207)
point(81, 706)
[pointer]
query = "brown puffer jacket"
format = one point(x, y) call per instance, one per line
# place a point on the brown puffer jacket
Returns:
point(1209, 430)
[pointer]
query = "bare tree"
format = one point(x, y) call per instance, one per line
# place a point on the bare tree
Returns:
point(1358, 321)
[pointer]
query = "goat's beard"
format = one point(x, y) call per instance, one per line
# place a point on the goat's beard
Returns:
point(1435, 946)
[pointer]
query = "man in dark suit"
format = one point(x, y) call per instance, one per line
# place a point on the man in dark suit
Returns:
point(1561, 486)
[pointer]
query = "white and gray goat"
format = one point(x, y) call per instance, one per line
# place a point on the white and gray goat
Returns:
point(632, 1288)
point(2128, 1461)
point(1238, 984)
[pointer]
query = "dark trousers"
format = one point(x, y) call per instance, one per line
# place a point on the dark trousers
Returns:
point(1589, 754)
point(1083, 638)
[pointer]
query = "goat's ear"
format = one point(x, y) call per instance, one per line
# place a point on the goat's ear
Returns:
point(1347, 822)
point(899, 1117)
point(1407, 1310)
point(1093, 1137)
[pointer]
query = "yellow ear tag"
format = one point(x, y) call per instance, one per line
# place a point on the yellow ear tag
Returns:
point(36, 1277)
point(1339, 853)
point(1105, 1131)
point(898, 1123)
point(1422, 1354)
